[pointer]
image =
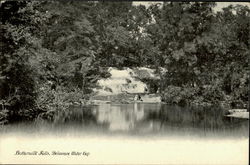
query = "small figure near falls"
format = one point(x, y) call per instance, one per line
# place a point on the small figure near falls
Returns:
point(138, 97)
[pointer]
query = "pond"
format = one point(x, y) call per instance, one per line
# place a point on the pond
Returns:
point(138, 119)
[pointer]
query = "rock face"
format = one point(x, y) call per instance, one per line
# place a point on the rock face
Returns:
point(125, 81)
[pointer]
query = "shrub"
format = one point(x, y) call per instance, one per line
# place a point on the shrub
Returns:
point(178, 95)
point(50, 101)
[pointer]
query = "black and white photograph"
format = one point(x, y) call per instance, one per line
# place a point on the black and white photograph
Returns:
point(124, 82)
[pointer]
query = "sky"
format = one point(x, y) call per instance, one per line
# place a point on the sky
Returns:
point(219, 6)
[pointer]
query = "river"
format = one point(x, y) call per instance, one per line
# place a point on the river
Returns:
point(139, 119)
point(136, 133)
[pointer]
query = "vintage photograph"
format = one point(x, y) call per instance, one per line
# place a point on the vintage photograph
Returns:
point(124, 82)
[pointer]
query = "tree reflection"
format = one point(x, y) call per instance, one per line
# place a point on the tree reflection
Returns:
point(202, 118)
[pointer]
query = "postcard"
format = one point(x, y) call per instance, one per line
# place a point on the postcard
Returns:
point(124, 82)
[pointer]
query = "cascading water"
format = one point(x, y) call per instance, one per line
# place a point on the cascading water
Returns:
point(121, 81)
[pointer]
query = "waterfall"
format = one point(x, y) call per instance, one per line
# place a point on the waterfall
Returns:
point(121, 81)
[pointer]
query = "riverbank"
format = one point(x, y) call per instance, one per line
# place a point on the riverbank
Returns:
point(125, 98)
point(124, 86)
point(238, 113)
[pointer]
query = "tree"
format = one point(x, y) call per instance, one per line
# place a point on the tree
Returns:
point(19, 22)
point(203, 50)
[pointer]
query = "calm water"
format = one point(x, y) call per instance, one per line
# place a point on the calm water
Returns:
point(138, 119)
point(130, 134)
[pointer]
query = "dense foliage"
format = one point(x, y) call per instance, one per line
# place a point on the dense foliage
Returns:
point(206, 54)
point(53, 52)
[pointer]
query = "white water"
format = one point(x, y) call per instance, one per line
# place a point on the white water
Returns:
point(122, 81)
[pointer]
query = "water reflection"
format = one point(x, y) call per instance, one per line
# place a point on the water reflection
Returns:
point(198, 120)
point(75, 115)
point(141, 118)
point(123, 117)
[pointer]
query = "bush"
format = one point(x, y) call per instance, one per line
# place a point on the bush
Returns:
point(178, 95)
point(50, 101)
point(213, 94)
point(206, 95)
